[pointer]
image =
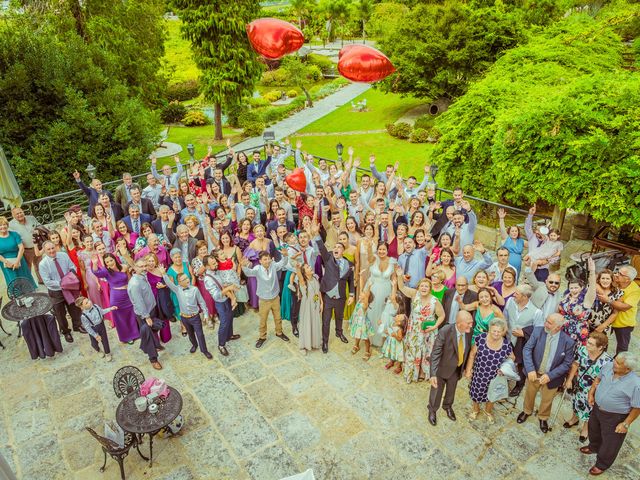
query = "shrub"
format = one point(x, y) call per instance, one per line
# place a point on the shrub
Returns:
point(391, 129)
point(173, 112)
point(253, 129)
point(274, 78)
point(234, 112)
point(292, 93)
point(324, 63)
point(425, 121)
point(402, 130)
point(314, 73)
point(273, 96)
point(195, 118)
point(419, 135)
point(183, 90)
point(257, 102)
point(434, 134)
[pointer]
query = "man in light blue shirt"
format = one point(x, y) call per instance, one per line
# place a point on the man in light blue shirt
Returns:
point(166, 175)
point(467, 265)
point(467, 230)
point(413, 262)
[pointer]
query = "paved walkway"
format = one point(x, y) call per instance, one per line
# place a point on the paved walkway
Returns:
point(301, 119)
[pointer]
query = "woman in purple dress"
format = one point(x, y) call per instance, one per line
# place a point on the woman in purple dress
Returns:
point(117, 278)
point(485, 359)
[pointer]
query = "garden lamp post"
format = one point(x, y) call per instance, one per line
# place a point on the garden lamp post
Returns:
point(339, 149)
point(192, 150)
point(91, 171)
point(434, 171)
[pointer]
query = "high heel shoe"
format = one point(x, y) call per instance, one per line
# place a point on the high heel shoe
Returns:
point(473, 414)
point(490, 418)
point(570, 425)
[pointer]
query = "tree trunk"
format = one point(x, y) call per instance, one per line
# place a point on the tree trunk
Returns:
point(364, 35)
point(218, 122)
point(309, 101)
point(76, 11)
point(557, 221)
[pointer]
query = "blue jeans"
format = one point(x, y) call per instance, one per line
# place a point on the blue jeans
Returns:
point(194, 330)
point(225, 314)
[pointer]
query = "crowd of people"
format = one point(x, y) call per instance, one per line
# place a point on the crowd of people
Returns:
point(199, 247)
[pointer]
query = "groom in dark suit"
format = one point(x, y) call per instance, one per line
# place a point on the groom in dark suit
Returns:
point(447, 363)
point(338, 274)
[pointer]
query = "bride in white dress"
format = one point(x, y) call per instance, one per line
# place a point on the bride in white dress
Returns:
point(379, 282)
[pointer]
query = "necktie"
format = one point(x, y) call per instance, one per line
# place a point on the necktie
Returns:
point(545, 355)
point(460, 350)
point(385, 235)
point(58, 267)
point(168, 182)
point(406, 263)
point(136, 228)
point(304, 256)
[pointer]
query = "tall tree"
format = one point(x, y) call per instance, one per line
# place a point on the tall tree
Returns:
point(337, 14)
point(557, 119)
point(297, 74)
point(230, 68)
point(364, 10)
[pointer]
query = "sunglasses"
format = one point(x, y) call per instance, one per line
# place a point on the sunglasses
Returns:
point(553, 282)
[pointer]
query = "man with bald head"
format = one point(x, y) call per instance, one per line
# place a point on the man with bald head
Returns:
point(547, 356)
point(626, 306)
point(450, 303)
point(93, 192)
point(448, 358)
point(467, 265)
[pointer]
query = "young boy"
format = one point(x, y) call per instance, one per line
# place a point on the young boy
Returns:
point(92, 319)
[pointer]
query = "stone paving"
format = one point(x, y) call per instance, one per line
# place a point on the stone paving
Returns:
point(269, 413)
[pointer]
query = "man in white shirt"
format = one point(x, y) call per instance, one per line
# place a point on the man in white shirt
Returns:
point(153, 191)
point(24, 225)
point(268, 291)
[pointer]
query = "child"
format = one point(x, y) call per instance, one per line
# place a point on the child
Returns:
point(548, 253)
point(92, 318)
point(361, 327)
point(393, 306)
point(393, 347)
point(227, 275)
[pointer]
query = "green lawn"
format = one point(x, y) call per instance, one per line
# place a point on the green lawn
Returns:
point(201, 137)
point(179, 63)
point(387, 149)
point(383, 108)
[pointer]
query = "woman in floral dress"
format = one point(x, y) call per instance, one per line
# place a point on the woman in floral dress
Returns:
point(603, 314)
point(426, 316)
point(576, 306)
point(589, 361)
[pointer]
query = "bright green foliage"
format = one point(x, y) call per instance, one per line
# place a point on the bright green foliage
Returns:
point(557, 119)
point(385, 18)
point(439, 48)
point(301, 75)
point(70, 100)
point(195, 118)
point(217, 31)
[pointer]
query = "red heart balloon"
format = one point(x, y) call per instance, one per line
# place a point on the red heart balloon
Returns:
point(345, 49)
point(274, 38)
point(361, 63)
point(297, 180)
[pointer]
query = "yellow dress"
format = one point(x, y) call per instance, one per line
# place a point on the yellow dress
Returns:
point(348, 309)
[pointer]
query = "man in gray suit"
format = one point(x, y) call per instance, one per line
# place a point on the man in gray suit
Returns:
point(546, 295)
point(183, 242)
point(548, 355)
point(447, 363)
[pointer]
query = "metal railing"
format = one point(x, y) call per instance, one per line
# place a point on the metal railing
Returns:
point(51, 209)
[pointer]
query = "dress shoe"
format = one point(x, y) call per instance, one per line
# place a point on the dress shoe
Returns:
point(68, 338)
point(586, 451)
point(156, 365)
point(325, 348)
point(283, 337)
point(80, 330)
point(160, 348)
point(260, 342)
point(342, 338)
point(193, 349)
point(208, 355)
point(451, 414)
point(515, 391)
point(235, 336)
point(595, 471)
point(582, 439)
point(522, 417)
point(295, 332)
point(544, 426)
point(432, 418)
point(223, 351)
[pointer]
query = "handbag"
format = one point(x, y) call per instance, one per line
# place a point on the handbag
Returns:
point(242, 294)
point(70, 285)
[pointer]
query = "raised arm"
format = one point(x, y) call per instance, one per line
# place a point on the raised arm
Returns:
point(503, 229)
point(528, 223)
point(407, 291)
point(590, 296)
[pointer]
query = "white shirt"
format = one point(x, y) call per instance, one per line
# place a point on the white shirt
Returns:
point(268, 285)
point(24, 230)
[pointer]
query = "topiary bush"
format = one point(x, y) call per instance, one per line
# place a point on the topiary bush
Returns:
point(173, 112)
point(391, 129)
point(257, 102)
point(195, 118)
point(434, 134)
point(234, 112)
point(314, 73)
point(419, 135)
point(183, 90)
point(324, 63)
point(274, 78)
point(292, 93)
point(402, 130)
point(253, 129)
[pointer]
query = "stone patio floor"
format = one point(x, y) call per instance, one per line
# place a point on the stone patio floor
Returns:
point(269, 413)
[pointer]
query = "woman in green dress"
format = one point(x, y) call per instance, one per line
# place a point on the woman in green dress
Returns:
point(485, 309)
point(437, 284)
point(12, 259)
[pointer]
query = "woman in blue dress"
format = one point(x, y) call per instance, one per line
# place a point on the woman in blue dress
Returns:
point(12, 259)
point(512, 241)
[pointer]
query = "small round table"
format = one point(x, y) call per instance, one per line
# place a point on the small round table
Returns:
point(16, 313)
point(141, 423)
